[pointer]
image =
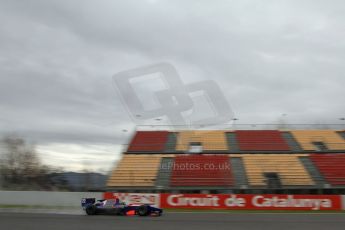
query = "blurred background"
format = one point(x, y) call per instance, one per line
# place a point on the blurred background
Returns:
point(63, 126)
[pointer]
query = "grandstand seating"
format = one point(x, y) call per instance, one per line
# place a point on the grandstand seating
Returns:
point(136, 170)
point(254, 159)
point(331, 166)
point(210, 140)
point(288, 167)
point(330, 138)
point(261, 140)
point(201, 170)
point(342, 134)
point(148, 141)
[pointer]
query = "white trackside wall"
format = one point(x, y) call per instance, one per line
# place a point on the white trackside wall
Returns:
point(72, 199)
point(40, 198)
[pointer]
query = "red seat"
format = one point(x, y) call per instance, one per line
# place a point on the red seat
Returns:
point(261, 140)
point(148, 141)
point(201, 170)
point(331, 166)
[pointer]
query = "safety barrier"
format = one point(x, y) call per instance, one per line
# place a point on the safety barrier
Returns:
point(234, 201)
point(182, 201)
point(42, 198)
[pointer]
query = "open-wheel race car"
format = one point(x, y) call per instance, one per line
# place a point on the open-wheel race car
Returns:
point(115, 207)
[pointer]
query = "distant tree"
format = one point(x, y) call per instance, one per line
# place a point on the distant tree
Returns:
point(21, 168)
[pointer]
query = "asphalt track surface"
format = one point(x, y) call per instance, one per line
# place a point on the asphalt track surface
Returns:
point(179, 221)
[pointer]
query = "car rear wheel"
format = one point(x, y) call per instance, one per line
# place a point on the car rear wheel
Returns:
point(143, 210)
point(91, 210)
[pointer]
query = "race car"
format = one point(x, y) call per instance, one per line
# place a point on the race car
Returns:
point(115, 207)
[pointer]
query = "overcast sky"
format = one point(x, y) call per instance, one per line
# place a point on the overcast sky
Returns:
point(57, 59)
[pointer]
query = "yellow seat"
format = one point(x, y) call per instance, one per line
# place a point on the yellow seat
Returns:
point(136, 170)
point(210, 140)
point(290, 170)
point(330, 138)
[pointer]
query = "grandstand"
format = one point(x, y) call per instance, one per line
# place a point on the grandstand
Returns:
point(239, 161)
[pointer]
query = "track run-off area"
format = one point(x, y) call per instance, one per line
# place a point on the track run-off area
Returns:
point(180, 221)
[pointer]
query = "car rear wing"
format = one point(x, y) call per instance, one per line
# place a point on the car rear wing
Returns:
point(86, 201)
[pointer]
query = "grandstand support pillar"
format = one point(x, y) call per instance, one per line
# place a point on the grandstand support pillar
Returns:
point(205, 191)
point(234, 122)
point(123, 139)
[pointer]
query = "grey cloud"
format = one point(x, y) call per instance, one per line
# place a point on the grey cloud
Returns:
point(270, 58)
